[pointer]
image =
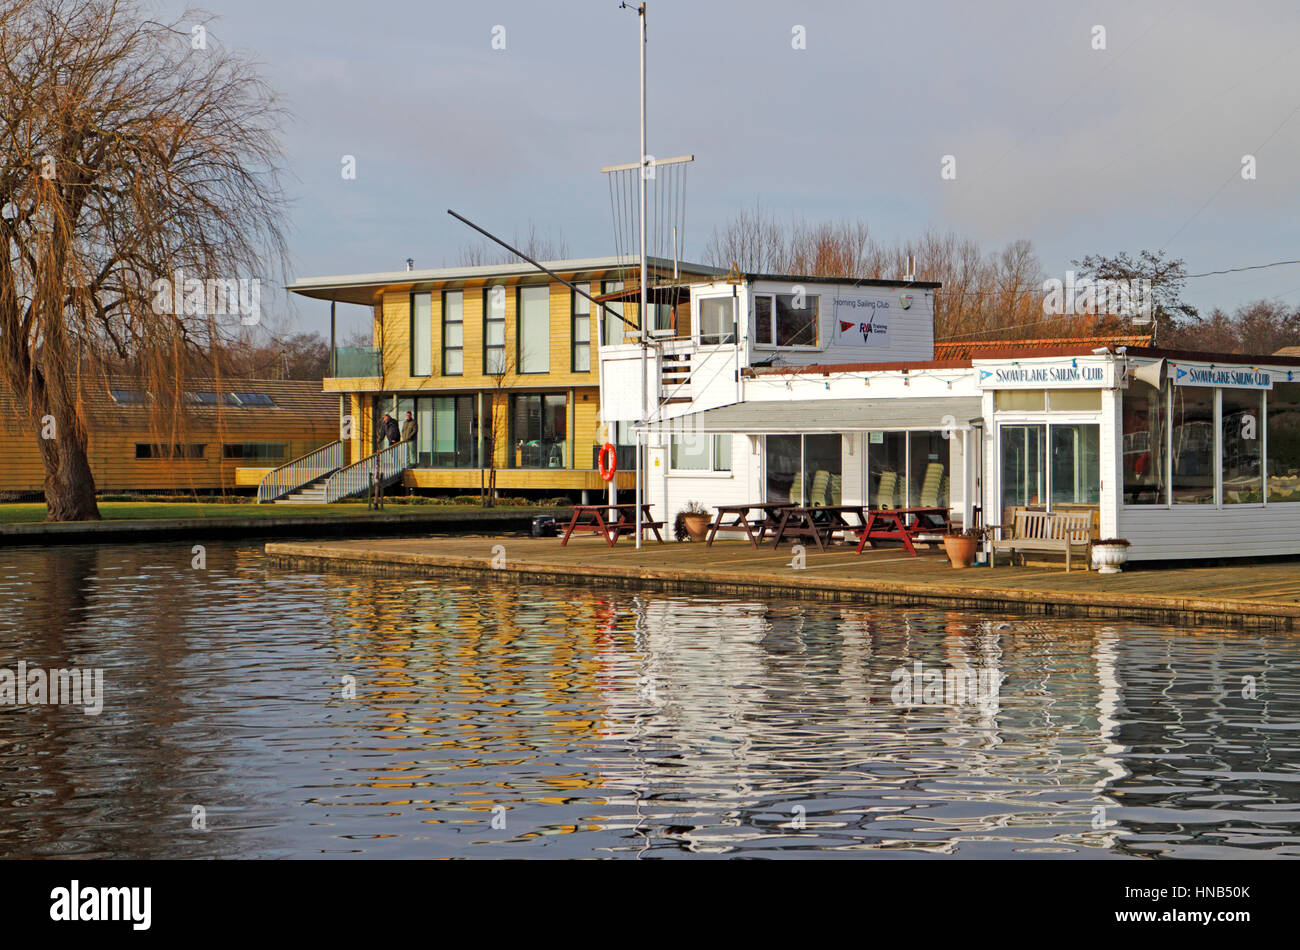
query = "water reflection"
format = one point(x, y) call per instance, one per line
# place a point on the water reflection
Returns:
point(493, 721)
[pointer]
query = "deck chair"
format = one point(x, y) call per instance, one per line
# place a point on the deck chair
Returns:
point(821, 481)
point(886, 489)
point(836, 490)
point(932, 486)
point(796, 489)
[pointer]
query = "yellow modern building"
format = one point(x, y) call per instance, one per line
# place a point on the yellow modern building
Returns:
point(497, 364)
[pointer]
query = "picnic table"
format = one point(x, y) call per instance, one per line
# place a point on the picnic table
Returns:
point(742, 522)
point(902, 524)
point(610, 522)
point(817, 522)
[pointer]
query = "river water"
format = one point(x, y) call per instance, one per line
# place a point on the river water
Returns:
point(250, 711)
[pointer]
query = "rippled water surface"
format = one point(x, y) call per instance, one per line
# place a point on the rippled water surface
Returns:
point(490, 721)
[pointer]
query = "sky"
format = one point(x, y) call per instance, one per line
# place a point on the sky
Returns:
point(1078, 149)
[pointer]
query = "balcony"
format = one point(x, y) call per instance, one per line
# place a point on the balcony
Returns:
point(355, 362)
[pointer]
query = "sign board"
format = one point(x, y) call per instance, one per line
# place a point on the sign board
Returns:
point(1057, 374)
point(1223, 377)
point(864, 320)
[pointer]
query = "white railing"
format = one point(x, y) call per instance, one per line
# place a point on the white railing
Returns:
point(357, 478)
point(291, 476)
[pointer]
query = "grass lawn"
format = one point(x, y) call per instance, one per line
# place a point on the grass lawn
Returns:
point(142, 511)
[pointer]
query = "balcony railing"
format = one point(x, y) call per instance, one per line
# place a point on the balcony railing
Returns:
point(356, 361)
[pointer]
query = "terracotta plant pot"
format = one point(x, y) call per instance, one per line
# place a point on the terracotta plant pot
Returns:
point(960, 550)
point(697, 526)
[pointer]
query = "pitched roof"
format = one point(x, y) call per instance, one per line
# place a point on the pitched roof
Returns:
point(974, 349)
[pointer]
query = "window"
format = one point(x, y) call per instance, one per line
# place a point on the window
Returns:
point(212, 399)
point(716, 323)
point(453, 333)
point(804, 469)
point(927, 454)
point(128, 397)
point(1284, 442)
point(254, 399)
point(778, 322)
point(421, 334)
point(701, 453)
point(1146, 479)
point(1075, 474)
point(255, 450)
point(611, 324)
point(1241, 436)
point(1193, 445)
point(494, 330)
point(538, 431)
point(1020, 400)
point(446, 434)
point(763, 320)
point(886, 469)
point(580, 330)
point(1024, 475)
point(145, 450)
point(533, 333)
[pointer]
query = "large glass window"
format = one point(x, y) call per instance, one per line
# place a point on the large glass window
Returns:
point(580, 332)
point(821, 470)
point(538, 430)
point(453, 333)
point(1024, 472)
point(421, 334)
point(1241, 437)
point(783, 466)
point(611, 323)
point(494, 330)
point(1284, 442)
point(698, 452)
point(763, 320)
point(927, 485)
point(1076, 464)
point(534, 330)
point(446, 430)
point(1193, 449)
point(716, 320)
point(1145, 472)
point(886, 469)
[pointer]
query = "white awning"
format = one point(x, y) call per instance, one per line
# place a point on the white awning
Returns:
point(828, 415)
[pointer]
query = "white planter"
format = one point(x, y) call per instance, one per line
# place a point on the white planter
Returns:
point(1107, 558)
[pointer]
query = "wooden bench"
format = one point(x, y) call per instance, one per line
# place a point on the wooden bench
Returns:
point(1044, 531)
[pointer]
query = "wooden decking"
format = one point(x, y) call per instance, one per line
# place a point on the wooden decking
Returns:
point(1259, 595)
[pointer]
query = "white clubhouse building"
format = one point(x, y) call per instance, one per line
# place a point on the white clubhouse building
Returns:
point(826, 391)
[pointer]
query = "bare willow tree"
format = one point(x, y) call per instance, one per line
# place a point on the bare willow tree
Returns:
point(139, 199)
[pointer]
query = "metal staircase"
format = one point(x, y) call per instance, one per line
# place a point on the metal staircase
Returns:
point(300, 473)
point(321, 477)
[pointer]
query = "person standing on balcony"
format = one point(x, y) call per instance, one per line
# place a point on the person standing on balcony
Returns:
point(409, 429)
point(387, 430)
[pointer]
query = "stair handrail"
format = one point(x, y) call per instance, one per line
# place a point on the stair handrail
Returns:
point(357, 478)
point(292, 475)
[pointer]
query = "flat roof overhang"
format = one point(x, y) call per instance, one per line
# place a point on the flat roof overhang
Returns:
point(797, 416)
point(365, 289)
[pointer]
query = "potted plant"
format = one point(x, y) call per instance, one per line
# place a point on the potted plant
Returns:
point(1109, 554)
point(960, 545)
point(691, 522)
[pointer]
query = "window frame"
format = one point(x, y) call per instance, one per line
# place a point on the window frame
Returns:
point(443, 340)
point(576, 300)
point(726, 337)
point(772, 297)
point(712, 471)
point(412, 349)
point(489, 319)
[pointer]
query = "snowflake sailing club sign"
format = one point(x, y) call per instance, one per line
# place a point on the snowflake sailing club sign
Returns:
point(864, 321)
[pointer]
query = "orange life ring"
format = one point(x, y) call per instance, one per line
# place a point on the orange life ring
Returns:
point(607, 451)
